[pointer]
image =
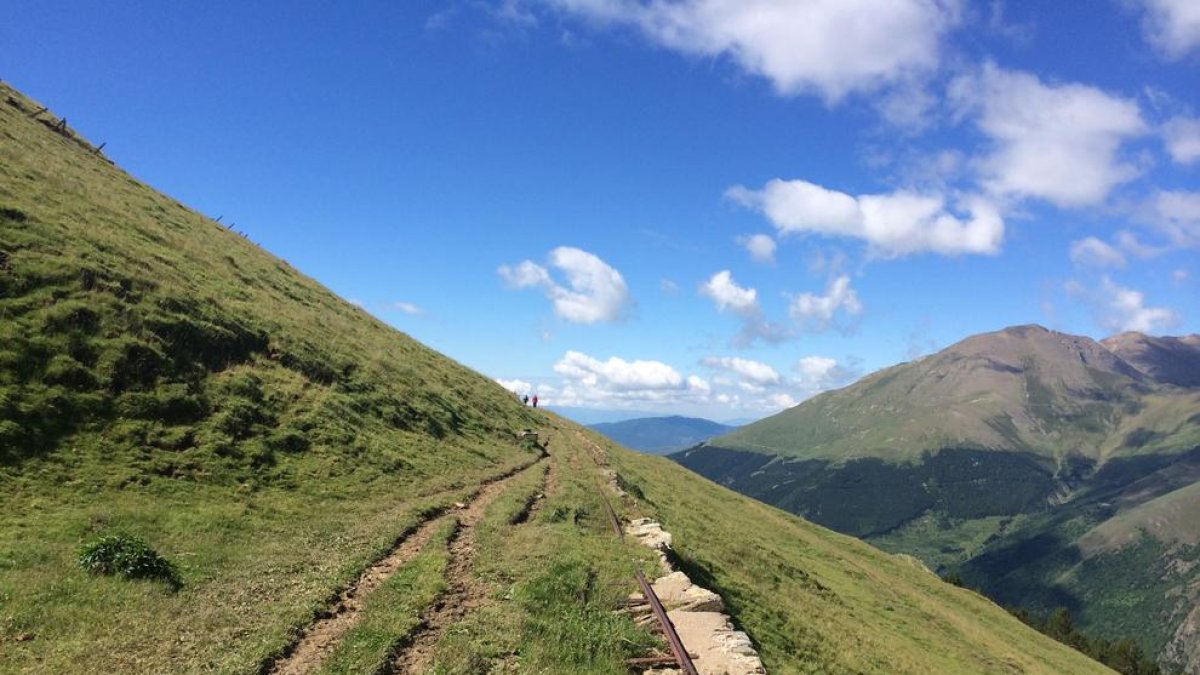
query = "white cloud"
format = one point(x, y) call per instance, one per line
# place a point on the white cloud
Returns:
point(817, 312)
point(1121, 309)
point(1091, 252)
point(828, 47)
point(1177, 214)
point(815, 368)
point(1173, 26)
point(617, 374)
point(818, 373)
point(407, 308)
point(1129, 243)
point(727, 294)
point(596, 292)
point(781, 401)
point(667, 286)
point(1179, 276)
point(893, 224)
point(1057, 142)
point(761, 247)
point(516, 386)
point(1182, 138)
point(753, 371)
point(618, 383)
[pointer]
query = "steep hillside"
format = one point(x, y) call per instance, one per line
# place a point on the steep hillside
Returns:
point(315, 492)
point(661, 435)
point(1170, 360)
point(1025, 389)
point(994, 456)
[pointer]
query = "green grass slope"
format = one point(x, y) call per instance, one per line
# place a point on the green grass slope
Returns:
point(819, 602)
point(993, 458)
point(1023, 389)
point(165, 378)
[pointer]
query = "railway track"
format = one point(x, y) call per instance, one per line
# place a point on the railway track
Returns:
point(678, 651)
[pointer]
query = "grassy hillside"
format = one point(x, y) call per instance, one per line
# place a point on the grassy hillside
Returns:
point(1023, 389)
point(993, 458)
point(164, 378)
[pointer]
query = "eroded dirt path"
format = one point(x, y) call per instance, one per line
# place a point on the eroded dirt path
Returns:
point(323, 636)
point(464, 593)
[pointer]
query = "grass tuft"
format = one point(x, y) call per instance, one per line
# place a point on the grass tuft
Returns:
point(128, 556)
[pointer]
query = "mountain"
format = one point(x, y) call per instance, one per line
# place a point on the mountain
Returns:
point(1172, 360)
point(589, 416)
point(1005, 457)
point(211, 463)
point(661, 435)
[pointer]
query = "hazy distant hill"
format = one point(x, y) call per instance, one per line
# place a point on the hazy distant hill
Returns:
point(998, 456)
point(661, 435)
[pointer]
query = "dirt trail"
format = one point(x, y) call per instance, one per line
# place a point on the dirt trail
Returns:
point(549, 488)
point(464, 592)
point(320, 639)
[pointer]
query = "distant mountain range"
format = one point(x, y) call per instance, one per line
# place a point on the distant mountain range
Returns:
point(662, 435)
point(1048, 469)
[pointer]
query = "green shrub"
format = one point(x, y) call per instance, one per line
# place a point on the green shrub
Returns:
point(129, 557)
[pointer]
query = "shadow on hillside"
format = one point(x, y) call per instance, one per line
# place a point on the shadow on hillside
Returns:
point(1017, 574)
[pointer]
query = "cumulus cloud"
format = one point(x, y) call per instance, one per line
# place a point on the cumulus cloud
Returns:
point(782, 401)
point(728, 295)
point(819, 312)
point(515, 386)
point(818, 373)
point(1172, 26)
point(892, 224)
point(753, 371)
point(761, 247)
point(594, 291)
point(828, 47)
point(1176, 213)
point(1057, 142)
point(618, 382)
point(1121, 309)
point(1091, 252)
point(617, 374)
point(1182, 138)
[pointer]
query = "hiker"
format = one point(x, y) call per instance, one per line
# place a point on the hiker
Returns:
point(525, 400)
point(535, 400)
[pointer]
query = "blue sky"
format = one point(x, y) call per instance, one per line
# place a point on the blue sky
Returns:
point(712, 207)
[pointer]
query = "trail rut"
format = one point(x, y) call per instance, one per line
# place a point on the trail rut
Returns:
point(322, 637)
point(464, 592)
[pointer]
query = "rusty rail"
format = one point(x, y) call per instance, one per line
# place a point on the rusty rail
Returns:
point(677, 648)
point(682, 657)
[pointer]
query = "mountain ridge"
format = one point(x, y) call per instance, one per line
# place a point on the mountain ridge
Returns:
point(661, 435)
point(1036, 463)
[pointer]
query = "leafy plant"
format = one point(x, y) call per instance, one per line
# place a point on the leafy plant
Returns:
point(129, 557)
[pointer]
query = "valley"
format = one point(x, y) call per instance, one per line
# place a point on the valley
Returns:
point(1040, 467)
